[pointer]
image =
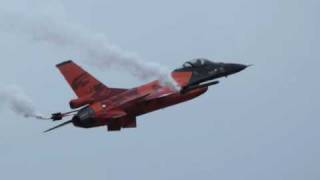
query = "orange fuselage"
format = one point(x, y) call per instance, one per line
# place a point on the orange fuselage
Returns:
point(152, 97)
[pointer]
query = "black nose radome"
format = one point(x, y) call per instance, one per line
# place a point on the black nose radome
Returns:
point(235, 68)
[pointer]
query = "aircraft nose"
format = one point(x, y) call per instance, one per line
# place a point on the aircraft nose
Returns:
point(235, 68)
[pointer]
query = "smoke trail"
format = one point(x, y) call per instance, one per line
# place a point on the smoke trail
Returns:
point(15, 99)
point(92, 48)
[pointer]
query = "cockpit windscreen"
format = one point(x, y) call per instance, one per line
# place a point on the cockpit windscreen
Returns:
point(196, 63)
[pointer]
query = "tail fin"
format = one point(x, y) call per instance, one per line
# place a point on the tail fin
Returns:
point(83, 83)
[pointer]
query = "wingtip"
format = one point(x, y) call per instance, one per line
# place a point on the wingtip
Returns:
point(63, 63)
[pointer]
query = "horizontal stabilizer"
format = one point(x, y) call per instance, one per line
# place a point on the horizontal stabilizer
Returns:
point(58, 126)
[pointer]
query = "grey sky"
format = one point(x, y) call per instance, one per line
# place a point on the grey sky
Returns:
point(262, 123)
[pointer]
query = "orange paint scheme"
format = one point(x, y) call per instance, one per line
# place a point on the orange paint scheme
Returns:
point(118, 108)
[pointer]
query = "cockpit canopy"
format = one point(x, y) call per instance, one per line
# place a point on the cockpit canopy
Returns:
point(196, 63)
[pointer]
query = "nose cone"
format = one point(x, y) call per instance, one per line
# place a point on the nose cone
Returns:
point(234, 68)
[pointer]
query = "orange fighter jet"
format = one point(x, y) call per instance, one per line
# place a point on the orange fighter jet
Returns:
point(100, 105)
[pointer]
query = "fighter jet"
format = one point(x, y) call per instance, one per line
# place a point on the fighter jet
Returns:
point(116, 108)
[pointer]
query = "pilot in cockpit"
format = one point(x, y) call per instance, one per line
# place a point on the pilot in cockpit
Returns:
point(197, 62)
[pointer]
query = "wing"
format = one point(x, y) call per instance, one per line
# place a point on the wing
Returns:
point(163, 92)
point(83, 83)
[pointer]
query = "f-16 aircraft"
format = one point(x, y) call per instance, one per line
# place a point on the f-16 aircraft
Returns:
point(99, 105)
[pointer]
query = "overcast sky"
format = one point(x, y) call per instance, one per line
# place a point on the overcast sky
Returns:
point(262, 123)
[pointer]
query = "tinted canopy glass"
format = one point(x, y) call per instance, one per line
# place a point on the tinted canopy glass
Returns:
point(196, 62)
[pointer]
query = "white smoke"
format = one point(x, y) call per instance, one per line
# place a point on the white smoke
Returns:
point(14, 98)
point(90, 47)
